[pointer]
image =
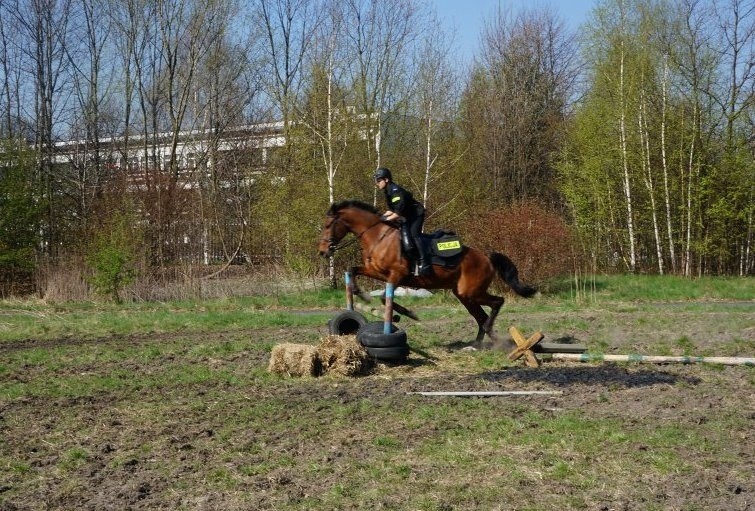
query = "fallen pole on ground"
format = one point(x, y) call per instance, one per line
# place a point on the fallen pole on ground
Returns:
point(368, 309)
point(591, 357)
point(492, 393)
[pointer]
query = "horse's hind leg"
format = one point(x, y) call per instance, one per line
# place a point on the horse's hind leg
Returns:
point(495, 303)
point(478, 314)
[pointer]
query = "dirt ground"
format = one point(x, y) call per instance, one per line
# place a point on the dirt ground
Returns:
point(150, 434)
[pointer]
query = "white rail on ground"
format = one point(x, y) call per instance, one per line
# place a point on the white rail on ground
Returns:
point(491, 393)
point(592, 357)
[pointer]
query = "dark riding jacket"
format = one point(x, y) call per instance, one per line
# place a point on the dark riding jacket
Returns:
point(402, 202)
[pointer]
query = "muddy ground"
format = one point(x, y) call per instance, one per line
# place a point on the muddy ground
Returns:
point(193, 421)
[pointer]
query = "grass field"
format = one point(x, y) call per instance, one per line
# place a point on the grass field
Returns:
point(170, 406)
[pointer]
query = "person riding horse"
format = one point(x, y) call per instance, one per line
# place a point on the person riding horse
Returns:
point(405, 209)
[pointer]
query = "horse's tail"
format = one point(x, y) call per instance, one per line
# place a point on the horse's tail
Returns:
point(508, 272)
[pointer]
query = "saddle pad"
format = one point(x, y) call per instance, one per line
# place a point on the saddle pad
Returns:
point(446, 246)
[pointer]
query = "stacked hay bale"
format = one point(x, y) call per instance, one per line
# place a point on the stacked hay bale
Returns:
point(343, 355)
point(291, 359)
point(336, 354)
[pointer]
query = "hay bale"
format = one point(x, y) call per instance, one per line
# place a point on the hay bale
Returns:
point(295, 360)
point(343, 355)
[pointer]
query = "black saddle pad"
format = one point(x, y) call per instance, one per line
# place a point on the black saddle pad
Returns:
point(443, 247)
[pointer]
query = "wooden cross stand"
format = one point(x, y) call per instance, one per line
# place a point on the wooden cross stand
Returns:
point(524, 347)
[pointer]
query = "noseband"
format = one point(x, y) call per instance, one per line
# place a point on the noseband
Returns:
point(332, 242)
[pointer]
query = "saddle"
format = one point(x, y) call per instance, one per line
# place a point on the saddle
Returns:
point(442, 247)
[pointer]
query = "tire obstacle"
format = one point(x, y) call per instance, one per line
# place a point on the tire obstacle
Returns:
point(382, 340)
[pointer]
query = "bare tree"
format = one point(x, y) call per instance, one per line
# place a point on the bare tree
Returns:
point(380, 36)
point(289, 27)
point(325, 111)
point(435, 93)
point(42, 36)
point(86, 58)
point(6, 128)
point(530, 68)
point(221, 101)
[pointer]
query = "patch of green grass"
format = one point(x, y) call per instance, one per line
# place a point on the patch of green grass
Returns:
point(492, 360)
point(686, 345)
point(662, 288)
point(73, 458)
point(33, 319)
point(386, 442)
point(372, 445)
point(84, 320)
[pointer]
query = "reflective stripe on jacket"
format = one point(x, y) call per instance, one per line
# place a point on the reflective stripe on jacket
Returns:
point(401, 201)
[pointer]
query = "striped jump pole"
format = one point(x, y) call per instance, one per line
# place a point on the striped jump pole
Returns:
point(592, 357)
point(349, 291)
point(388, 314)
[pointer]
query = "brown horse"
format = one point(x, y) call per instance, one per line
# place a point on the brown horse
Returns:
point(382, 260)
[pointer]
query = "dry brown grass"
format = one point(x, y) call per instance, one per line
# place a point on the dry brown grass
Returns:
point(343, 355)
point(340, 355)
point(290, 359)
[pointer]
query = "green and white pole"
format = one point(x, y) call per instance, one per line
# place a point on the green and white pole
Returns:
point(653, 359)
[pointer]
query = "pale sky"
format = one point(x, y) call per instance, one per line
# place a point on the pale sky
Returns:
point(468, 16)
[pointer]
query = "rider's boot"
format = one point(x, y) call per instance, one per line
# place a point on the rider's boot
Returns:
point(424, 268)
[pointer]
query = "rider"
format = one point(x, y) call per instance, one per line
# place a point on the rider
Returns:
point(402, 206)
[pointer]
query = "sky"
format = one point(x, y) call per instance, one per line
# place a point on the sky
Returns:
point(468, 17)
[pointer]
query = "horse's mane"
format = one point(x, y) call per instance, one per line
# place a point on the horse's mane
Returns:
point(338, 206)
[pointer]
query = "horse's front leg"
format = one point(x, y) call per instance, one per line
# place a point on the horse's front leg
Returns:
point(395, 278)
point(359, 270)
point(400, 309)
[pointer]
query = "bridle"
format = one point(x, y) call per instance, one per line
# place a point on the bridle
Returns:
point(333, 243)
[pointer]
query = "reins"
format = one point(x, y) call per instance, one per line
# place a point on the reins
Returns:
point(357, 236)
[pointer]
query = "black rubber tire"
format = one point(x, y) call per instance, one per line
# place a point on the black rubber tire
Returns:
point(371, 336)
point(346, 323)
point(394, 354)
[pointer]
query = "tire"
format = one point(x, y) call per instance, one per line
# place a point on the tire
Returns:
point(394, 354)
point(371, 336)
point(346, 323)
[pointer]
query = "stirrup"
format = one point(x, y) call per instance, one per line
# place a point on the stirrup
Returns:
point(423, 270)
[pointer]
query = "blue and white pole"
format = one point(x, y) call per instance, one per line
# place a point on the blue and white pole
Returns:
point(349, 291)
point(388, 315)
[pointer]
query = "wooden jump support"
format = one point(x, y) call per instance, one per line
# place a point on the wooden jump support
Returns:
point(524, 347)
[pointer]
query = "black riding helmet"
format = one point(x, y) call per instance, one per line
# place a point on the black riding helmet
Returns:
point(383, 173)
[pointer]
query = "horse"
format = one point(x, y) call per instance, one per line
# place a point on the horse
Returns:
point(380, 244)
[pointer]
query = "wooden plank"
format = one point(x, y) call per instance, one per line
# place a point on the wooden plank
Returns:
point(559, 347)
point(530, 360)
point(517, 336)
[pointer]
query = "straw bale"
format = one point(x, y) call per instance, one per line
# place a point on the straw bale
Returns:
point(343, 355)
point(295, 360)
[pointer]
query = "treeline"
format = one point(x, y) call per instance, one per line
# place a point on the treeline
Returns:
point(636, 130)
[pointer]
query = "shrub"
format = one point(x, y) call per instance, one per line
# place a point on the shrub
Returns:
point(113, 256)
point(539, 241)
point(20, 212)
